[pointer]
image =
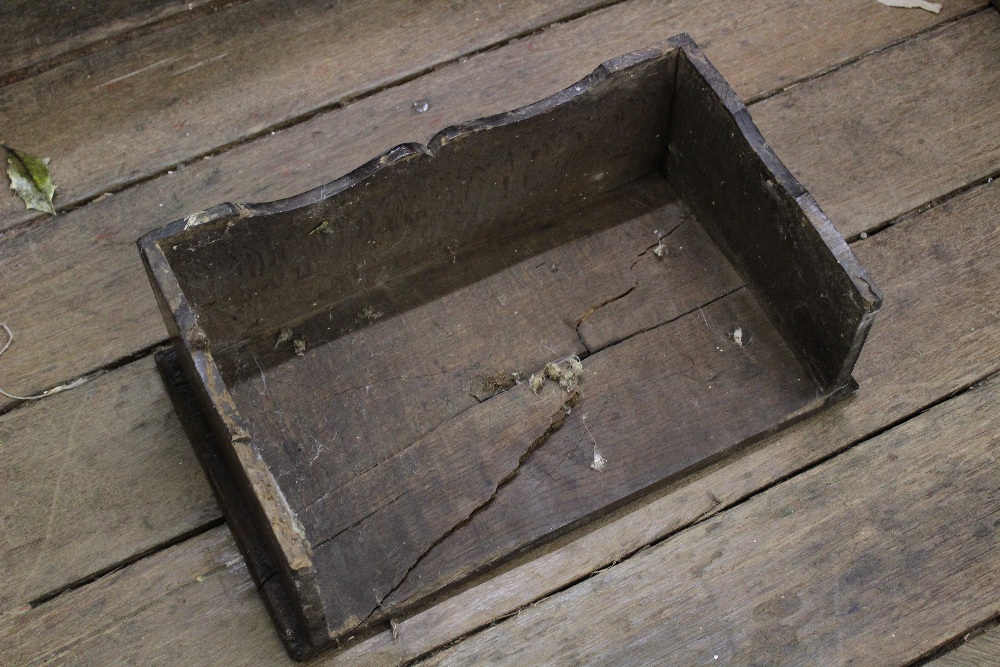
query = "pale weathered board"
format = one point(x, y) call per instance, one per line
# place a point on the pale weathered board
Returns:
point(894, 119)
point(873, 558)
point(91, 478)
point(224, 104)
point(110, 252)
point(193, 88)
point(938, 272)
point(76, 325)
point(34, 34)
point(67, 284)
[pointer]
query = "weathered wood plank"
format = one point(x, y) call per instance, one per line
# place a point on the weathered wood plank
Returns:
point(124, 593)
point(92, 478)
point(40, 265)
point(873, 558)
point(939, 274)
point(907, 117)
point(189, 89)
point(221, 105)
point(980, 651)
point(35, 32)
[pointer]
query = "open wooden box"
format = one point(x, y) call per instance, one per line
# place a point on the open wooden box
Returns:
point(356, 362)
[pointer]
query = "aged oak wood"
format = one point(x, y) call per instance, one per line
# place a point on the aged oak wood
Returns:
point(874, 558)
point(33, 33)
point(192, 88)
point(350, 547)
point(939, 273)
point(73, 331)
point(829, 42)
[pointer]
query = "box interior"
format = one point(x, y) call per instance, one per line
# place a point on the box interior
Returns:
point(379, 336)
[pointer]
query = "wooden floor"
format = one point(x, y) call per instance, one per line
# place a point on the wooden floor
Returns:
point(866, 535)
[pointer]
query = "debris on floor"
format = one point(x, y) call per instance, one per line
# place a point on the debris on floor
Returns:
point(913, 4)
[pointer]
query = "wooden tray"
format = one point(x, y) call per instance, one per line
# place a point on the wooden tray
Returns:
point(401, 379)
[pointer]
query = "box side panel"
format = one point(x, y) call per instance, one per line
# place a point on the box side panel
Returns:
point(770, 228)
point(273, 264)
point(235, 506)
point(262, 507)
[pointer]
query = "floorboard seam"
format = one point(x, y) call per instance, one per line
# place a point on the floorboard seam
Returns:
point(754, 99)
point(957, 641)
point(309, 115)
point(122, 564)
point(723, 506)
point(89, 376)
point(395, 83)
point(926, 206)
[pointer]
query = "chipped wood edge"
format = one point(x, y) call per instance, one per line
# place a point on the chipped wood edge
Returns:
point(284, 535)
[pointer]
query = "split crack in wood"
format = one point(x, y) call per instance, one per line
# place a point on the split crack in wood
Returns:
point(362, 519)
point(654, 248)
point(556, 422)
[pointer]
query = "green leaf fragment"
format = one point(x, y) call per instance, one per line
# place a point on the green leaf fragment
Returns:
point(29, 178)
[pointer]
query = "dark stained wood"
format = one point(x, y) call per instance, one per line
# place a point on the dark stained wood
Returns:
point(35, 32)
point(654, 406)
point(76, 326)
point(656, 293)
point(803, 272)
point(474, 184)
point(193, 88)
point(375, 390)
point(345, 539)
point(912, 513)
point(230, 497)
point(939, 272)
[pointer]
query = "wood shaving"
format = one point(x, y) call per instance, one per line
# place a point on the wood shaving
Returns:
point(45, 394)
point(932, 7)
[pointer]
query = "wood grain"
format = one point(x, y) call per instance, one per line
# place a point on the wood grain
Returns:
point(38, 32)
point(71, 472)
point(873, 558)
point(73, 329)
point(938, 272)
point(189, 89)
point(849, 135)
point(979, 651)
point(188, 112)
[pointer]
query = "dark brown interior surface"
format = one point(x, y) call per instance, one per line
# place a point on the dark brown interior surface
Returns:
point(414, 206)
point(413, 459)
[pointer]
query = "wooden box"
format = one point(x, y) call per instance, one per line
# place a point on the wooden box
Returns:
point(456, 352)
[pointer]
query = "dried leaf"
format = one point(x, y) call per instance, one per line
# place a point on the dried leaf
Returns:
point(29, 178)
